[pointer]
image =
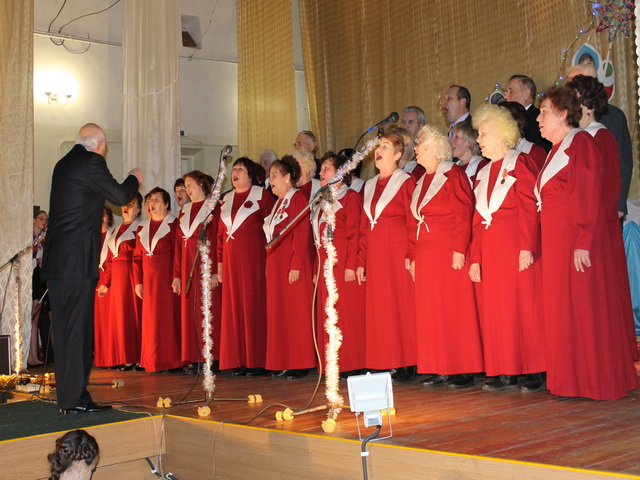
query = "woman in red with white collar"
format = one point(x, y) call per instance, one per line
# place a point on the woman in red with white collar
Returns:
point(290, 349)
point(190, 220)
point(153, 274)
point(587, 342)
point(350, 304)
point(241, 268)
point(383, 255)
point(447, 326)
point(124, 305)
point(505, 253)
point(101, 319)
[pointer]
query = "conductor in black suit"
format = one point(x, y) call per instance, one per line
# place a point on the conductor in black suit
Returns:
point(522, 89)
point(81, 183)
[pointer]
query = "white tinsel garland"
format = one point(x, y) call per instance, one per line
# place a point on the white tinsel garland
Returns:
point(205, 285)
point(332, 368)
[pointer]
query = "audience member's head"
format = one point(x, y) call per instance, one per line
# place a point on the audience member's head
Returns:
point(75, 457)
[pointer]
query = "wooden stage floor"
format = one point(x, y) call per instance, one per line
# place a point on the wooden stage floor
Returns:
point(540, 427)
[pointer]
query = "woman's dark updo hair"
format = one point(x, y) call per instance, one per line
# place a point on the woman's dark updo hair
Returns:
point(592, 94)
point(204, 181)
point(288, 165)
point(109, 213)
point(253, 169)
point(74, 446)
point(337, 161)
point(518, 112)
point(565, 98)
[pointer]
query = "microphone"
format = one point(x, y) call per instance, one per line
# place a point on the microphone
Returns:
point(227, 150)
point(390, 119)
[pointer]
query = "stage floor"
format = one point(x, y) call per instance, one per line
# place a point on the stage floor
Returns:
point(539, 428)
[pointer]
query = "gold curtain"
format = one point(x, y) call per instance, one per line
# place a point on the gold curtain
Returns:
point(366, 58)
point(266, 83)
point(16, 168)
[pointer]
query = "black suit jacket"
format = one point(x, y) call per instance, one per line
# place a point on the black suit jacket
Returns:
point(616, 122)
point(81, 183)
point(532, 129)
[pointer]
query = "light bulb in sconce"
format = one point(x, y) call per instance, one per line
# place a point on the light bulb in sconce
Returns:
point(53, 97)
point(58, 86)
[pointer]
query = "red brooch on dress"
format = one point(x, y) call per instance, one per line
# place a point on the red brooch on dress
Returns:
point(248, 204)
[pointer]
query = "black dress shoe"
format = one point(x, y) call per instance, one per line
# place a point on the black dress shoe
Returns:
point(238, 372)
point(281, 373)
point(257, 372)
point(435, 381)
point(128, 367)
point(298, 373)
point(403, 375)
point(192, 369)
point(463, 380)
point(90, 407)
point(499, 382)
point(533, 382)
point(138, 368)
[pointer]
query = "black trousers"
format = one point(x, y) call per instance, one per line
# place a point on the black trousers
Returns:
point(72, 311)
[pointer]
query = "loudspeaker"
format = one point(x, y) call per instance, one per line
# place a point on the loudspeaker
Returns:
point(5, 358)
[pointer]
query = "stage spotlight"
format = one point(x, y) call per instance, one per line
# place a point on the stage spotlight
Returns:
point(369, 394)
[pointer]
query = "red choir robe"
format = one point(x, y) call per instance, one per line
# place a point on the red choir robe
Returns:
point(350, 304)
point(383, 251)
point(289, 330)
point(447, 327)
point(505, 222)
point(124, 304)
point(536, 152)
point(190, 220)
point(241, 241)
point(472, 168)
point(153, 269)
point(611, 185)
point(309, 189)
point(101, 319)
point(588, 351)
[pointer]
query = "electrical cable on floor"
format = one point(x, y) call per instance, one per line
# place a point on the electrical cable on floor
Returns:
point(363, 451)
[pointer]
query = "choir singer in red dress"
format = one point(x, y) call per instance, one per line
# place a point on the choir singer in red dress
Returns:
point(153, 274)
point(101, 319)
point(505, 255)
point(350, 304)
point(241, 268)
point(447, 327)
point(290, 346)
point(190, 224)
point(594, 104)
point(383, 263)
point(124, 305)
point(588, 352)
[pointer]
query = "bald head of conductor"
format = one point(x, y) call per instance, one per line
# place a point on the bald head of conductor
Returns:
point(93, 138)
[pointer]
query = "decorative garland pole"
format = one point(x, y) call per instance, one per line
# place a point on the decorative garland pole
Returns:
point(205, 284)
point(332, 368)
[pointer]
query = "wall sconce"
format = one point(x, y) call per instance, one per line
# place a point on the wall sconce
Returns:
point(53, 97)
point(58, 85)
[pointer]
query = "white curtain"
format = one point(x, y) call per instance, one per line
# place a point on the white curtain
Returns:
point(151, 103)
point(16, 173)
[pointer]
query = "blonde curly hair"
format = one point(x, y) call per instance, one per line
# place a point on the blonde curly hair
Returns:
point(501, 122)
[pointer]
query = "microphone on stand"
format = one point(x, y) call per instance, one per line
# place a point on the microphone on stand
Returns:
point(390, 119)
point(226, 150)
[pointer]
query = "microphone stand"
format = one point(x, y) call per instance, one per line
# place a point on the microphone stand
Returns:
point(322, 193)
